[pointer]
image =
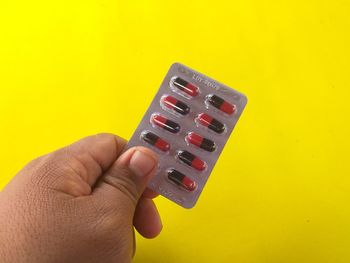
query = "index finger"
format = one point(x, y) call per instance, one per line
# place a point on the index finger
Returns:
point(92, 156)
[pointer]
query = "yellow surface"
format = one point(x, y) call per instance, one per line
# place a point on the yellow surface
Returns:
point(281, 190)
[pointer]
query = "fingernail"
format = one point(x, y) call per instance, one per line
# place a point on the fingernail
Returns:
point(141, 163)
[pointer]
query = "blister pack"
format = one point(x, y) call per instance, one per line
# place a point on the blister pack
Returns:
point(188, 123)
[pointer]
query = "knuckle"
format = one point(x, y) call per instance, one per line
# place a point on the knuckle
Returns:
point(105, 135)
point(111, 138)
point(107, 138)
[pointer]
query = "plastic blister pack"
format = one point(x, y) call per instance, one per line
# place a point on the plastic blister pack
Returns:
point(187, 124)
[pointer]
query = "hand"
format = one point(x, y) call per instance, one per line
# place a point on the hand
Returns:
point(79, 204)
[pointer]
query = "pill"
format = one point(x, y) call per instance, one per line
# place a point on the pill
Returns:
point(181, 180)
point(176, 105)
point(156, 141)
point(201, 142)
point(191, 160)
point(221, 104)
point(166, 124)
point(186, 87)
point(213, 124)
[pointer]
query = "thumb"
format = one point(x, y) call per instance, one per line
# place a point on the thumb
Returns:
point(123, 184)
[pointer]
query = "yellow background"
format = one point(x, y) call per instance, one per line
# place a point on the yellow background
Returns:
point(281, 190)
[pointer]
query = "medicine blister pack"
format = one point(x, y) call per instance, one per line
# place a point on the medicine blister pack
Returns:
point(188, 123)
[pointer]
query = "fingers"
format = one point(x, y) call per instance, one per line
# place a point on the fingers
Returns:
point(147, 219)
point(75, 169)
point(123, 184)
point(93, 155)
point(93, 166)
point(123, 188)
point(81, 164)
point(150, 194)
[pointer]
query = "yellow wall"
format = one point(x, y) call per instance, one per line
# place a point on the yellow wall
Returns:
point(281, 190)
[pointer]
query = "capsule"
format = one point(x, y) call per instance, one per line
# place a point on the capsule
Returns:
point(191, 160)
point(181, 180)
point(213, 124)
point(221, 104)
point(201, 142)
point(175, 105)
point(186, 87)
point(156, 141)
point(165, 123)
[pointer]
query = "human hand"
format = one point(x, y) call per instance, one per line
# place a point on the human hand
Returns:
point(79, 204)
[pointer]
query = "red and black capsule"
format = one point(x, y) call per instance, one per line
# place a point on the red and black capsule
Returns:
point(165, 123)
point(201, 142)
point(186, 87)
point(221, 104)
point(156, 141)
point(175, 105)
point(191, 160)
point(213, 124)
point(181, 180)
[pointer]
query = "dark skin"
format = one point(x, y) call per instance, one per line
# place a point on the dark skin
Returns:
point(80, 204)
